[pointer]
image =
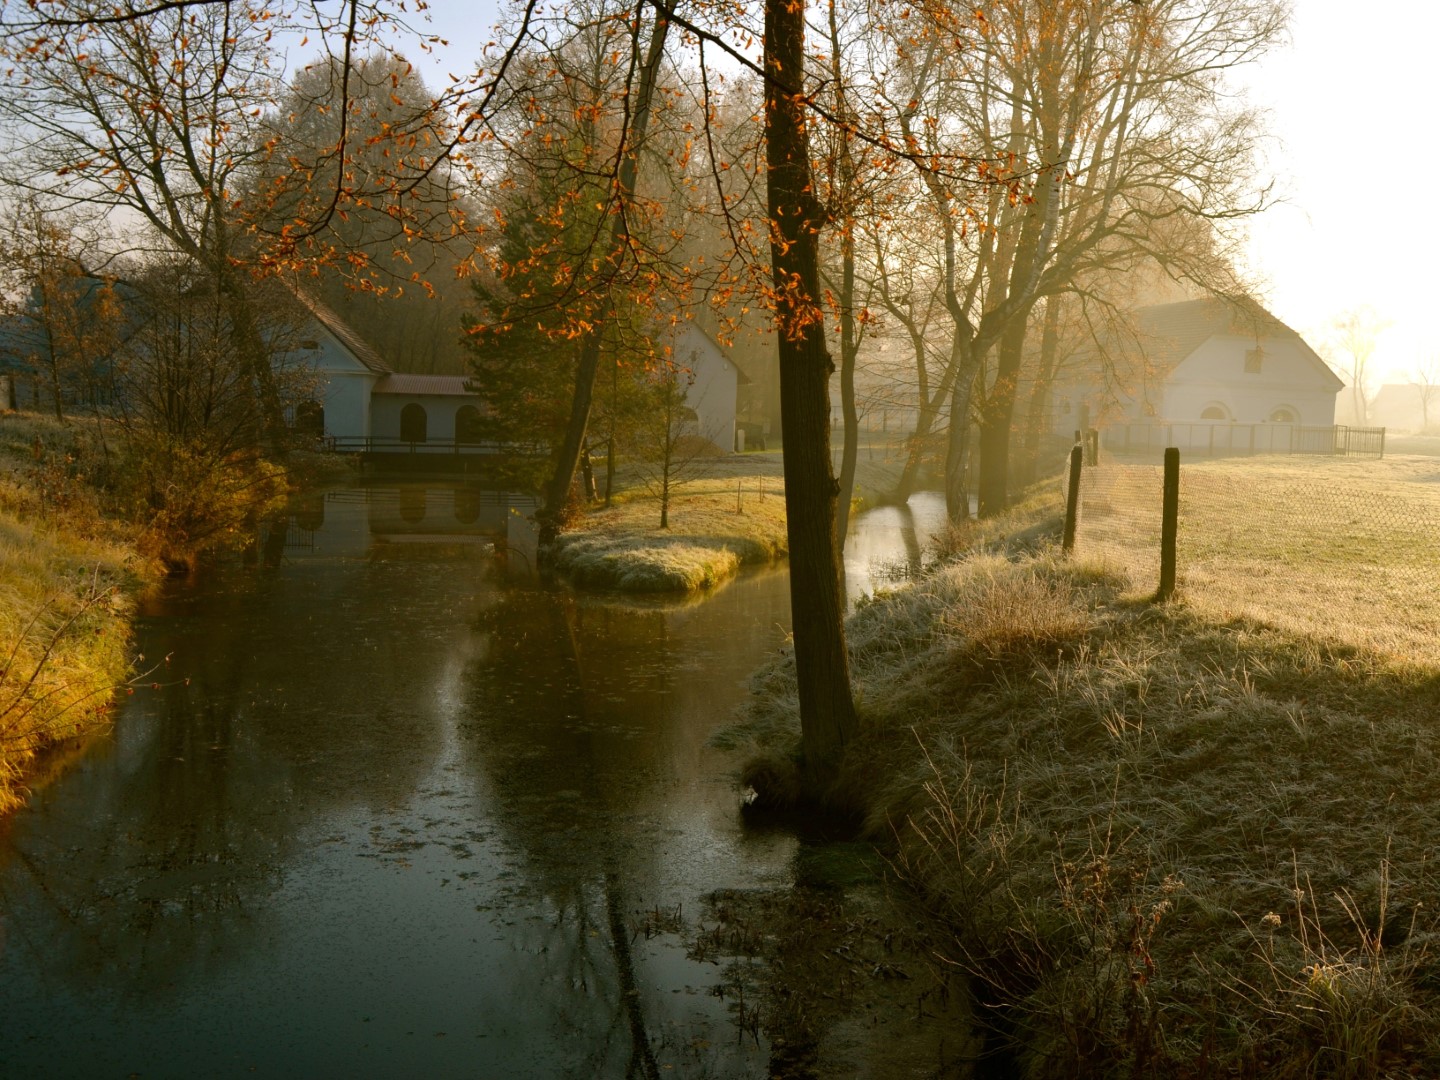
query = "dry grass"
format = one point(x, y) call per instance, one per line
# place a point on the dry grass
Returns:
point(1165, 843)
point(66, 574)
point(733, 516)
point(1346, 547)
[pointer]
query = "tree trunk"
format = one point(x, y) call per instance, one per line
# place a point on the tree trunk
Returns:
point(957, 498)
point(822, 666)
point(241, 313)
point(925, 417)
point(568, 457)
point(1040, 391)
point(996, 419)
point(610, 468)
point(850, 437)
point(587, 474)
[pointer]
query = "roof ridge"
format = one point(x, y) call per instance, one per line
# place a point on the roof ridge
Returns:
point(343, 331)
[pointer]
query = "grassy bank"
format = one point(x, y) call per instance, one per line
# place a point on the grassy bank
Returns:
point(68, 572)
point(86, 521)
point(1161, 842)
point(730, 516)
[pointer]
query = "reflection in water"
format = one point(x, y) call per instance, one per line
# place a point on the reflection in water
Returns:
point(392, 817)
point(887, 545)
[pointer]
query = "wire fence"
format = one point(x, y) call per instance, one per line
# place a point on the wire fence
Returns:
point(1345, 547)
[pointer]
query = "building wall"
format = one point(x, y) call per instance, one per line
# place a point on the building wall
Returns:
point(440, 410)
point(712, 394)
point(1215, 375)
point(342, 383)
point(345, 397)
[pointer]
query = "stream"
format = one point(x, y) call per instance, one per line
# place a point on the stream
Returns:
point(387, 809)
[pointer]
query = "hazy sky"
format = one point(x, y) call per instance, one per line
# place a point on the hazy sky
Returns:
point(1350, 99)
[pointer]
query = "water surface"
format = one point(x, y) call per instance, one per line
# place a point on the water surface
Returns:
point(391, 811)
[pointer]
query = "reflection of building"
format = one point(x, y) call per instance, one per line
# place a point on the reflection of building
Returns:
point(441, 511)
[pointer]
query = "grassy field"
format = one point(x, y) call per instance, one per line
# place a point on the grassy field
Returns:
point(1346, 547)
point(1156, 840)
point(731, 515)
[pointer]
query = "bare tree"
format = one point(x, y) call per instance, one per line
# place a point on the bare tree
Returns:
point(69, 317)
point(155, 116)
point(671, 448)
point(1353, 338)
point(1426, 381)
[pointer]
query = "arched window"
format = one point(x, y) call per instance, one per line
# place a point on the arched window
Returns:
point(412, 423)
point(1214, 412)
point(467, 424)
point(1284, 415)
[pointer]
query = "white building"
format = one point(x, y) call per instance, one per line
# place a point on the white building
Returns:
point(1187, 365)
point(716, 381)
point(359, 397)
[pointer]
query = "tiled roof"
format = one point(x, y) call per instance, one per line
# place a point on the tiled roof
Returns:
point(1171, 332)
point(401, 383)
point(359, 348)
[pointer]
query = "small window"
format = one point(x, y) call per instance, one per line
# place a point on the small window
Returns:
point(1214, 412)
point(1284, 415)
point(1253, 359)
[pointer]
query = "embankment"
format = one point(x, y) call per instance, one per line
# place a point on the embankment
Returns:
point(1159, 842)
point(731, 518)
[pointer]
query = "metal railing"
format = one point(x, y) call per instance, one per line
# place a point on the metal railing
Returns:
point(1220, 438)
point(371, 444)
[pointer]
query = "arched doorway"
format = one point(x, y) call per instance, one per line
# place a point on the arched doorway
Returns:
point(412, 423)
point(467, 425)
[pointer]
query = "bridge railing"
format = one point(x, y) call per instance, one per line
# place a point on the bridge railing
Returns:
point(370, 444)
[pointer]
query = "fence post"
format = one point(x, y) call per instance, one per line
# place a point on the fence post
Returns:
point(1169, 523)
point(1072, 499)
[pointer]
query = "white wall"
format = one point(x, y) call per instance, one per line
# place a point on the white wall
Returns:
point(1215, 375)
point(440, 410)
point(346, 400)
point(342, 384)
point(712, 394)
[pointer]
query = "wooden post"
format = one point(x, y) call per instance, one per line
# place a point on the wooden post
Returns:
point(1169, 523)
point(1072, 499)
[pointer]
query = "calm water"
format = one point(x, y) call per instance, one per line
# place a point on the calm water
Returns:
point(392, 813)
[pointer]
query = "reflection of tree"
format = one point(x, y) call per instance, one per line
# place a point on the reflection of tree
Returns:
point(539, 735)
point(156, 864)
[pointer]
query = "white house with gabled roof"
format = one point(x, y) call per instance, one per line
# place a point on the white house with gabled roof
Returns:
point(1219, 360)
point(360, 398)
